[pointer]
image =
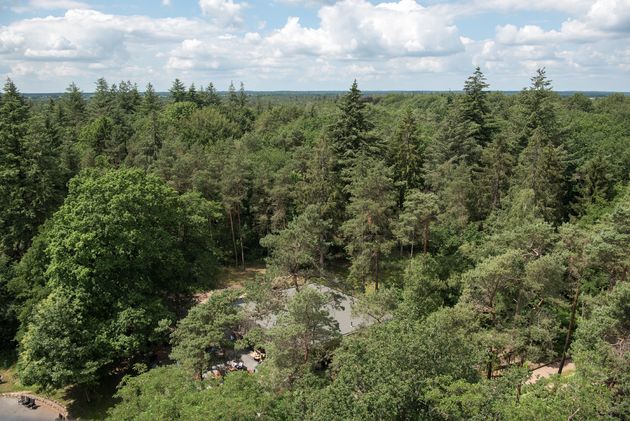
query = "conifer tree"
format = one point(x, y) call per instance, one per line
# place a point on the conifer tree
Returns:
point(211, 96)
point(368, 229)
point(406, 151)
point(475, 108)
point(351, 132)
point(178, 91)
point(150, 100)
point(242, 96)
point(28, 172)
point(419, 210)
point(74, 106)
point(102, 102)
point(232, 97)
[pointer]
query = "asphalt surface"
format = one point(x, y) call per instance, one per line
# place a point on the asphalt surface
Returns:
point(11, 410)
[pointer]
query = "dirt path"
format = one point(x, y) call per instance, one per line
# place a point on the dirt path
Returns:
point(548, 370)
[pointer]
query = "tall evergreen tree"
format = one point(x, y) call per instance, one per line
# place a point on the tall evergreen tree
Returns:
point(29, 171)
point(74, 106)
point(368, 229)
point(178, 91)
point(351, 132)
point(102, 102)
point(242, 96)
point(211, 97)
point(232, 97)
point(475, 108)
point(150, 100)
point(406, 150)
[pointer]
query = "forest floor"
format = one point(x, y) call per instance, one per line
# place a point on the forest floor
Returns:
point(233, 278)
point(549, 370)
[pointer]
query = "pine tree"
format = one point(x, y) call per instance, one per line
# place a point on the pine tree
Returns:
point(406, 150)
point(73, 105)
point(101, 103)
point(150, 100)
point(419, 210)
point(368, 229)
point(295, 251)
point(211, 96)
point(31, 182)
point(497, 165)
point(178, 91)
point(242, 96)
point(232, 97)
point(542, 163)
point(193, 96)
point(474, 107)
point(351, 132)
point(127, 98)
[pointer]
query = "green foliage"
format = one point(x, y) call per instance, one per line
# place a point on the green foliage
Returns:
point(384, 373)
point(115, 248)
point(419, 210)
point(166, 393)
point(296, 250)
point(600, 349)
point(368, 229)
point(406, 153)
point(519, 202)
point(178, 91)
point(203, 329)
point(303, 336)
point(351, 132)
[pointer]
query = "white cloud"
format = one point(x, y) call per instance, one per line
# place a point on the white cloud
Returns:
point(357, 29)
point(50, 5)
point(224, 11)
point(386, 44)
point(166, 2)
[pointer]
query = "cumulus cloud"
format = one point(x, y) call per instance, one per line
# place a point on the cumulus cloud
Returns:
point(374, 41)
point(226, 11)
point(357, 29)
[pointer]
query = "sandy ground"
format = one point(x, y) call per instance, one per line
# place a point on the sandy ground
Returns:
point(11, 410)
point(548, 370)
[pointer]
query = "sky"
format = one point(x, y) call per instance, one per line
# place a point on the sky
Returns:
point(315, 44)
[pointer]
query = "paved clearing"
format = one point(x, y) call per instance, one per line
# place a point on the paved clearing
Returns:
point(11, 410)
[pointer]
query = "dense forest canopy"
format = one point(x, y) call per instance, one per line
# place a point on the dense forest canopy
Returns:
point(483, 235)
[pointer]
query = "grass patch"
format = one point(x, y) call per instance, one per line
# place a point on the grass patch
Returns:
point(233, 277)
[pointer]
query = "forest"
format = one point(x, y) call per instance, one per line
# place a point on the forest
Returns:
point(482, 234)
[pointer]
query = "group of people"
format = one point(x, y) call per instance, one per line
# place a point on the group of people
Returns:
point(258, 355)
point(28, 402)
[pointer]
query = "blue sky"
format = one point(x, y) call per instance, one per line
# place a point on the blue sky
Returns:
point(315, 44)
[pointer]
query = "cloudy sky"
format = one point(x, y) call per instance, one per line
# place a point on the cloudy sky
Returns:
point(315, 44)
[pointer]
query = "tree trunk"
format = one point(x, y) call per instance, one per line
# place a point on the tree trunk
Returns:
point(233, 237)
point(240, 234)
point(377, 267)
point(295, 281)
point(489, 366)
point(411, 252)
point(425, 237)
point(567, 340)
